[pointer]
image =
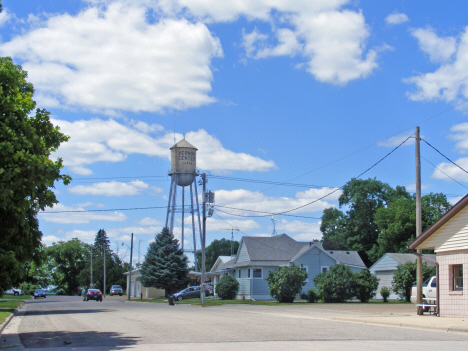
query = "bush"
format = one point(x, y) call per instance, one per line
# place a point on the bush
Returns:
point(385, 292)
point(336, 284)
point(312, 295)
point(304, 296)
point(227, 288)
point(286, 282)
point(365, 285)
point(405, 277)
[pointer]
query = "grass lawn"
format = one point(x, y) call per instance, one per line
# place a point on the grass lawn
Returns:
point(19, 297)
point(5, 313)
point(214, 302)
point(10, 303)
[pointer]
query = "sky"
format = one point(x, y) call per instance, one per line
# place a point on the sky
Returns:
point(285, 100)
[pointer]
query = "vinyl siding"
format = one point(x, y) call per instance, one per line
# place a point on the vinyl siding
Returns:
point(451, 236)
point(314, 260)
point(243, 254)
point(260, 286)
point(386, 278)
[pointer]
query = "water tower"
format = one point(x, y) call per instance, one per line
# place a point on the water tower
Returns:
point(183, 175)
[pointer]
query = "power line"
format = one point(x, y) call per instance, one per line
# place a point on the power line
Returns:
point(445, 156)
point(444, 174)
point(107, 210)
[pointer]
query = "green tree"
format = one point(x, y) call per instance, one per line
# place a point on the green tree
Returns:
point(405, 277)
point(397, 222)
point(69, 259)
point(214, 250)
point(286, 282)
point(365, 285)
point(165, 265)
point(336, 284)
point(27, 174)
point(333, 228)
point(227, 288)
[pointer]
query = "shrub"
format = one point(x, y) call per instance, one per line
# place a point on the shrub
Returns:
point(385, 292)
point(227, 288)
point(304, 296)
point(312, 295)
point(286, 282)
point(405, 277)
point(336, 284)
point(365, 285)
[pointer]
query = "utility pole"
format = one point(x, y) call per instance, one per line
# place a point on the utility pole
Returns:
point(419, 278)
point(202, 284)
point(130, 276)
point(104, 292)
point(91, 285)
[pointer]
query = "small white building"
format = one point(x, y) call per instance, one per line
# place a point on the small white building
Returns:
point(386, 266)
point(138, 288)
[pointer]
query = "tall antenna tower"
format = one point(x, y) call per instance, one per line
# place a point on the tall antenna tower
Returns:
point(232, 239)
point(183, 175)
point(274, 225)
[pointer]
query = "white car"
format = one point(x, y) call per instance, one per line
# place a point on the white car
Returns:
point(15, 292)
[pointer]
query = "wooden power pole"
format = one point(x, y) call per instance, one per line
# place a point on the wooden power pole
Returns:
point(419, 278)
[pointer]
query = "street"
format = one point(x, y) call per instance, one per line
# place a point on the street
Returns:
point(69, 323)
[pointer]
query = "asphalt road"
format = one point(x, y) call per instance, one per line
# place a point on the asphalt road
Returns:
point(69, 323)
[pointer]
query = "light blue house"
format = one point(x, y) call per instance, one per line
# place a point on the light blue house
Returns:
point(259, 255)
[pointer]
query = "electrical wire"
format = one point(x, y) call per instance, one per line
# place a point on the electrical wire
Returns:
point(445, 156)
point(441, 171)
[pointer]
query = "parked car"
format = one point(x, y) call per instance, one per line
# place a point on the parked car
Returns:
point(116, 290)
point(39, 293)
point(190, 293)
point(93, 294)
point(429, 290)
point(13, 291)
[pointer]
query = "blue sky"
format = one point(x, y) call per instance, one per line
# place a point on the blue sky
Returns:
point(303, 92)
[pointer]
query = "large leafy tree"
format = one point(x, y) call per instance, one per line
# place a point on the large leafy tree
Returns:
point(214, 250)
point(405, 277)
point(333, 228)
point(27, 174)
point(397, 222)
point(69, 259)
point(165, 265)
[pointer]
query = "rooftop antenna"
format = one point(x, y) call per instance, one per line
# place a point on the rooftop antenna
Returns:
point(273, 220)
point(232, 239)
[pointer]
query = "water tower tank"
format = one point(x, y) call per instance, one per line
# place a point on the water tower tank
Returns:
point(184, 162)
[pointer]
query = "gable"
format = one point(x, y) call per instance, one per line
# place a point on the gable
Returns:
point(243, 254)
point(452, 235)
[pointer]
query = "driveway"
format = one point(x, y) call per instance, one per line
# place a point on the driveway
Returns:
point(64, 323)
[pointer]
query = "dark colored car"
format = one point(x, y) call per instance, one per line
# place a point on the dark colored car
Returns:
point(116, 290)
point(39, 293)
point(93, 294)
point(190, 293)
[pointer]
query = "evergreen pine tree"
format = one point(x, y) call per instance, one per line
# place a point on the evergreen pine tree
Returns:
point(165, 265)
point(100, 242)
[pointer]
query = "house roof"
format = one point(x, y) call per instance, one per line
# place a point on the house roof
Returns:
point(184, 143)
point(460, 205)
point(403, 258)
point(281, 250)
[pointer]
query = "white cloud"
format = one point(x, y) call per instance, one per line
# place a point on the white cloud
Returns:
point(396, 18)
point(256, 201)
point(301, 231)
point(123, 233)
point(4, 17)
point(396, 140)
point(149, 221)
point(113, 188)
point(49, 239)
point(412, 187)
point(454, 200)
point(449, 81)
point(111, 58)
point(256, 46)
point(439, 49)
point(78, 217)
point(243, 225)
point(87, 236)
point(109, 141)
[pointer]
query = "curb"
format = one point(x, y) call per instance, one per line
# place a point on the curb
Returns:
point(8, 319)
point(405, 325)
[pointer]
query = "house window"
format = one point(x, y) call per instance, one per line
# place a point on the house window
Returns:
point(324, 268)
point(257, 273)
point(239, 273)
point(457, 277)
point(248, 273)
point(305, 268)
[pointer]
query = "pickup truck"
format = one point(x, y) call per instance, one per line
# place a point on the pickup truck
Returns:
point(429, 291)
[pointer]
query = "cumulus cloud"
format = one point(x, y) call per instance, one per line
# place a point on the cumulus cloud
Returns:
point(149, 221)
point(112, 58)
point(100, 140)
point(243, 225)
point(57, 215)
point(256, 201)
point(396, 140)
point(301, 231)
point(396, 18)
point(113, 188)
point(4, 17)
point(449, 81)
point(439, 49)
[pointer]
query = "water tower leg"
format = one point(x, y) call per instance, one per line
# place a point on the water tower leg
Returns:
point(183, 214)
point(192, 210)
point(169, 202)
point(173, 203)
